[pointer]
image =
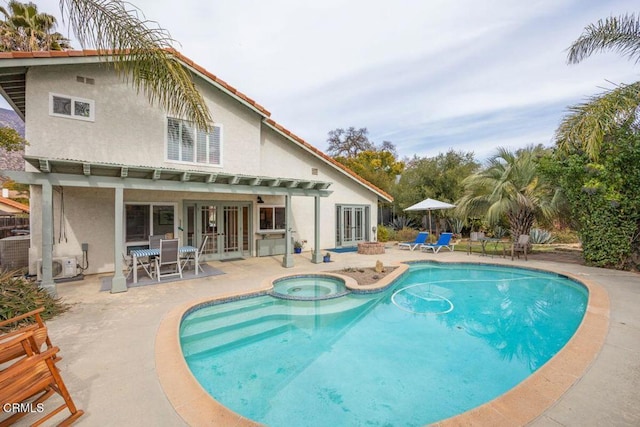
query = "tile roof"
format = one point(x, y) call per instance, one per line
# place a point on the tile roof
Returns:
point(199, 69)
point(14, 204)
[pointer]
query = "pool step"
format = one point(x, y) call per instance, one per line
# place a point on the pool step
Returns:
point(214, 317)
point(233, 336)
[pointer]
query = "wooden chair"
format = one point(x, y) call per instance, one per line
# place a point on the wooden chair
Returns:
point(522, 245)
point(40, 335)
point(169, 256)
point(30, 381)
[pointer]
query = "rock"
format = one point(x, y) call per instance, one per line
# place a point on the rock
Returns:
point(379, 267)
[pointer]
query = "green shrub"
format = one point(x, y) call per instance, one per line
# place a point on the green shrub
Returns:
point(19, 295)
point(406, 235)
point(383, 233)
point(566, 235)
point(604, 197)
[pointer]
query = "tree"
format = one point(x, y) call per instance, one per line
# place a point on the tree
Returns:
point(510, 185)
point(438, 177)
point(25, 29)
point(11, 140)
point(379, 167)
point(377, 164)
point(589, 125)
point(348, 143)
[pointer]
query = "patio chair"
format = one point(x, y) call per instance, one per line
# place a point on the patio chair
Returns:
point(169, 257)
point(421, 239)
point(191, 256)
point(127, 260)
point(38, 332)
point(154, 241)
point(32, 380)
point(522, 245)
point(444, 241)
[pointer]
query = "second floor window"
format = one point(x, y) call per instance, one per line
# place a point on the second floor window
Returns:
point(186, 143)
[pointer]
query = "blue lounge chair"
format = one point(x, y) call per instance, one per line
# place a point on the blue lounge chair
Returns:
point(443, 242)
point(421, 239)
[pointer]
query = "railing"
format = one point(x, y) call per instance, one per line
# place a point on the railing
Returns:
point(8, 224)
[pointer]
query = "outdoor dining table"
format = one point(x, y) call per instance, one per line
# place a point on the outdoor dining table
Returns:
point(486, 240)
point(146, 253)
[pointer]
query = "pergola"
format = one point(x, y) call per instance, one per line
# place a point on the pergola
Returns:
point(119, 177)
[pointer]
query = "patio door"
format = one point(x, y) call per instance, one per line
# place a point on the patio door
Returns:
point(224, 224)
point(351, 224)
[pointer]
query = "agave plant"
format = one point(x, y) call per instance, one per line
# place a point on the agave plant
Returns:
point(540, 237)
point(500, 232)
point(401, 222)
point(20, 295)
point(456, 225)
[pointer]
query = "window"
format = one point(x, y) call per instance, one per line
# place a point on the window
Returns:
point(271, 218)
point(144, 220)
point(71, 107)
point(186, 143)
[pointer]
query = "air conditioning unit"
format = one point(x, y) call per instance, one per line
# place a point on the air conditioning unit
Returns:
point(61, 268)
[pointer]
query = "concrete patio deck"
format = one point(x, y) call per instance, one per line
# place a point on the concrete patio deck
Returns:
point(107, 340)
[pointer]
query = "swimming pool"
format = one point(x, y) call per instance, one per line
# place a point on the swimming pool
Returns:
point(382, 359)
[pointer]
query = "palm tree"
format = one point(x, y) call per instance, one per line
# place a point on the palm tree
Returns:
point(588, 125)
point(140, 51)
point(25, 29)
point(509, 186)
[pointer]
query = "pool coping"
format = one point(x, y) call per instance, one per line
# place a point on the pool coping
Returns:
point(518, 406)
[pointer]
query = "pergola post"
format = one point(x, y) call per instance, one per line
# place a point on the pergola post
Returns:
point(287, 259)
point(316, 258)
point(118, 282)
point(47, 282)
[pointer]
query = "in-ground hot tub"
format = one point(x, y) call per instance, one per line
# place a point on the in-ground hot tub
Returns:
point(309, 287)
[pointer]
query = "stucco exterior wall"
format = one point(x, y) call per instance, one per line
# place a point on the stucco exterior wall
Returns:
point(127, 129)
point(279, 154)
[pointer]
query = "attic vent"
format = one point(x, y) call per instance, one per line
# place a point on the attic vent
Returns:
point(314, 171)
point(86, 80)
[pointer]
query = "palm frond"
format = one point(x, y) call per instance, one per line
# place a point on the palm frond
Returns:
point(140, 51)
point(586, 125)
point(621, 34)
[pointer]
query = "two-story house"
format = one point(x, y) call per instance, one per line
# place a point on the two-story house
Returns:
point(107, 170)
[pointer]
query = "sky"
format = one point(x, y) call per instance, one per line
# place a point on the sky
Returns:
point(429, 76)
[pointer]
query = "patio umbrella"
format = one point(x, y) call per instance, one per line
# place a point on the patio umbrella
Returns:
point(430, 205)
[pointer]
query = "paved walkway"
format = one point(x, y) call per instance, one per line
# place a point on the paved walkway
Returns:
point(107, 341)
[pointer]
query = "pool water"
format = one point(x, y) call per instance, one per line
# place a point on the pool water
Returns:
point(442, 340)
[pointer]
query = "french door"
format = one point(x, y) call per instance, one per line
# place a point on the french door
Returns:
point(224, 224)
point(352, 224)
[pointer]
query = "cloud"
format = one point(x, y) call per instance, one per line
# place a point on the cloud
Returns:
point(427, 76)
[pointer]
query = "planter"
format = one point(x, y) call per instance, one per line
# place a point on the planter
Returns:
point(371, 248)
point(326, 258)
point(297, 250)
